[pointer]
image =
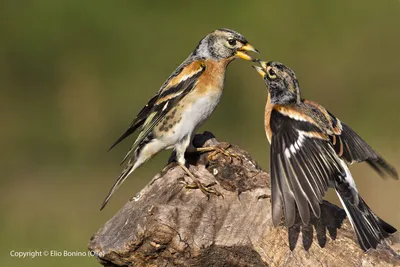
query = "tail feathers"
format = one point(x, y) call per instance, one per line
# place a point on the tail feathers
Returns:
point(120, 180)
point(140, 153)
point(388, 229)
point(133, 148)
point(369, 228)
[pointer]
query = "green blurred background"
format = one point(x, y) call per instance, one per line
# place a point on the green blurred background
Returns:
point(73, 74)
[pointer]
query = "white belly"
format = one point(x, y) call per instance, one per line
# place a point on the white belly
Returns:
point(196, 111)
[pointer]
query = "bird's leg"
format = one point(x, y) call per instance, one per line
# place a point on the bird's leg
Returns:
point(180, 158)
point(216, 150)
point(197, 184)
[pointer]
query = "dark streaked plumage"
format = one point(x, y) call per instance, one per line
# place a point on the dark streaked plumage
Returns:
point(185, 100)
point(310, 150)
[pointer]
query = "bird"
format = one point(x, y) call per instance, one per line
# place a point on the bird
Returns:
point(184, 101)
point(310, 150)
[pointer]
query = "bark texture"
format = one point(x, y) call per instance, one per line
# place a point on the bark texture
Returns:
point(166, 224)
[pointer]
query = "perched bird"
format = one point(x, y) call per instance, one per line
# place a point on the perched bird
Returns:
point(310, 150)
point(185, 100)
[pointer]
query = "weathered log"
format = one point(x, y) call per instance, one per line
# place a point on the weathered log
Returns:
point(166, 224)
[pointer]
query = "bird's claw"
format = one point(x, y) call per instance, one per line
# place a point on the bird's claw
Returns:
point(224, 151)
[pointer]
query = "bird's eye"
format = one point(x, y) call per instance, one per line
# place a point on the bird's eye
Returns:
point(232, 42)
point(271, 73)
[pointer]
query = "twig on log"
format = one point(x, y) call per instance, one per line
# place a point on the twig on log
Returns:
point(166, 224)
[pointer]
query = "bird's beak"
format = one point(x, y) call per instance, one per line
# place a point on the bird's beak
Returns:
point(241, 53)
point(263, 64)
point(260, 71)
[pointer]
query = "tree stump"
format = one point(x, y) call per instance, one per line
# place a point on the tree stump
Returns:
point(166, 224)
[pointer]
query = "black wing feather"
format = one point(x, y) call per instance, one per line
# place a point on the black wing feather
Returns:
point(152, 106)
point(160, 110)
point(309, 182)
point(148, 118)
point(300, 173)
point(295, 182)
point(138, 121)
point(289, 206)
point(355, 149)
point(276, 196)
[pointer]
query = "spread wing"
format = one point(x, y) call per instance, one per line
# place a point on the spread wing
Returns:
point(303, 162)
point(167, 98)
point(305, 159)
point(350, 146)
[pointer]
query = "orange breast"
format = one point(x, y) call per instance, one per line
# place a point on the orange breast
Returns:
point(267, 118)
point(213, 77)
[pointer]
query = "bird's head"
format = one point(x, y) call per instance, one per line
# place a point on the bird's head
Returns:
point(224, 44)
point(281, 82)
